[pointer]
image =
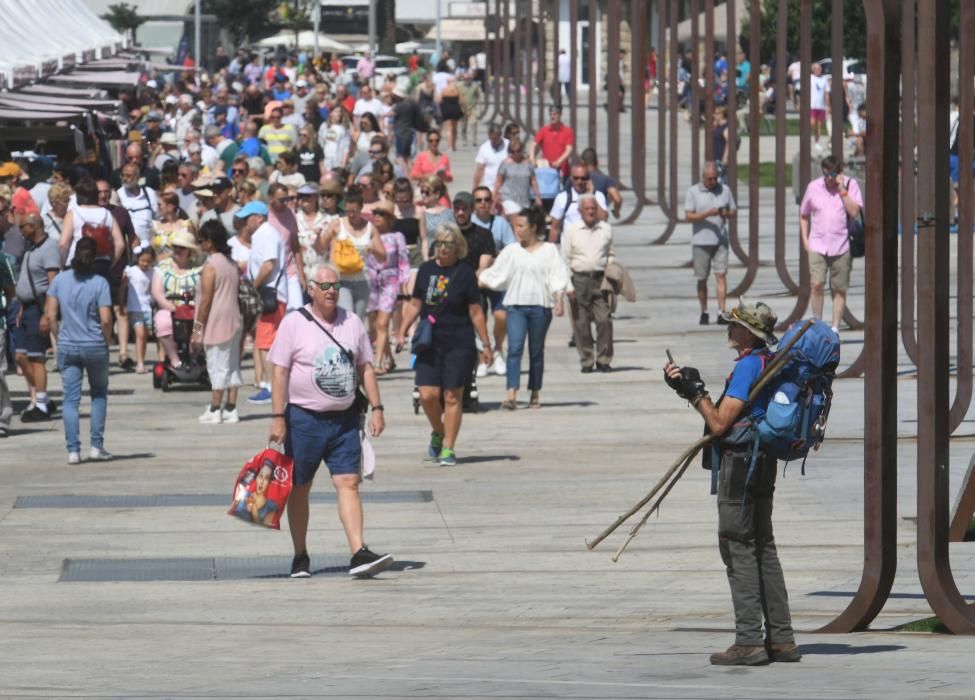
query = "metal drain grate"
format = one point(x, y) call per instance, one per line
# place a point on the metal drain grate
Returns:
point(194, 569)
point(200, 499)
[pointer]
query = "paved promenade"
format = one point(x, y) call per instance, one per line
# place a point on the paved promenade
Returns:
point(494, 594)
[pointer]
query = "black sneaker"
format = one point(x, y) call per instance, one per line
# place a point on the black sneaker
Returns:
point(704, 319)
point(722, 321)
point(587, 369)
point(366, 563)
point(126, 363)
point(34, 415)
point(572, 342)
point(301, 566)
point(603, 368)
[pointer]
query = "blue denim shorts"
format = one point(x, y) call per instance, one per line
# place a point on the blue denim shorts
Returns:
point(313, 437)
point(27, 338)
point(496, 298)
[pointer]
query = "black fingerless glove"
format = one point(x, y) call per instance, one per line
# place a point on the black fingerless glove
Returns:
point(691, 385)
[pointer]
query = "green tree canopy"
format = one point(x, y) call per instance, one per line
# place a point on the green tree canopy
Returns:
point(123, 17)
point(241, 19)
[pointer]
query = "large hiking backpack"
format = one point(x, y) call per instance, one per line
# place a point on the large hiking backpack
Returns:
point(800, 395)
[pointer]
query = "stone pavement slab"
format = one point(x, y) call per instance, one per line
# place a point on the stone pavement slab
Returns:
point(496, 595)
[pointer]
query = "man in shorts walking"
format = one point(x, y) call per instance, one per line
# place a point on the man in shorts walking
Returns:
point(708, 206)
point(818, 99)
point(321, 354)
point(827, 203)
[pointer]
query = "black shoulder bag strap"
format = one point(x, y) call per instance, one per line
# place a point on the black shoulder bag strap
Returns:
point(361, 401)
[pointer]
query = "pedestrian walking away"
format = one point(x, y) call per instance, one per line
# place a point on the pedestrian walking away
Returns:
point(320, 356)
point(588, 248)
point(78, 311)
point(827, 205)
point(707, 206)
point(746, 483)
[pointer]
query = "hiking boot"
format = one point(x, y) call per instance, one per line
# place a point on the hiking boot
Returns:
point(366, 563)
point(301, 566)
point(741, 655)
point(705, 319)
point(433, 449)
point(786, 652)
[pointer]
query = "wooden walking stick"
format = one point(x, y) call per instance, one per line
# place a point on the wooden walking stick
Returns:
point(782, 358)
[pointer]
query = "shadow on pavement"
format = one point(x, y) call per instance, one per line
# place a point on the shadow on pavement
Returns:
point(847, 649)
point(477, 459)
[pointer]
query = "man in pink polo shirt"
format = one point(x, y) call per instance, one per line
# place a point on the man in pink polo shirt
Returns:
point(827, 203)
point(556, 141)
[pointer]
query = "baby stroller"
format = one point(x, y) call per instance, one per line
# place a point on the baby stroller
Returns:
point(193, 368)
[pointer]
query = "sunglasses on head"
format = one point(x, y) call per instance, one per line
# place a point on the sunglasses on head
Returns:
point(325, 286)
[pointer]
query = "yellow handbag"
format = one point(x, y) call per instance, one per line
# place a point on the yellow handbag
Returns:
point(346, 258)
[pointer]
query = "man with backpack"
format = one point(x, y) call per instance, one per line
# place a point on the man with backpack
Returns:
point(565, 208)
point(745, 485)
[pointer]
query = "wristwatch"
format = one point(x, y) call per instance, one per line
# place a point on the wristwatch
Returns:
point(379, 407)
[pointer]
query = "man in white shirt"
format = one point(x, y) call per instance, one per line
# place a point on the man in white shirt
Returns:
point(367, 102)
point(184, 117)
point(565, 208)
point(565, 73)
point(264, 268)
point(489, 158)
point(587, 248)
point(141, 202)
point(208, 148)
point(818, 101)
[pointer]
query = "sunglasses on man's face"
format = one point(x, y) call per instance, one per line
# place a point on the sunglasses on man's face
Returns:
point(830, 173)
point(238, 171)
point(325, 286)
point(375, 153)
point(581, 179)
point(285, 200)
point(482, 200)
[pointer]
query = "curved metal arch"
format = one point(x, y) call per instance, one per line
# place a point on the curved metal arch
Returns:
point(638, 115)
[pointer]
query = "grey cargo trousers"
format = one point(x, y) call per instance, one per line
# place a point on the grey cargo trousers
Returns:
point(748, 550)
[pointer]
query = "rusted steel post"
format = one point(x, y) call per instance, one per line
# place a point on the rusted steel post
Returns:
point(639, 29)
point(487, 102)
point(708, 79)
point(667, 109)
point(574, 72)
point(518, 66)
point(805, 62)
point(754, 127)
point(838, 95)
point(933, 513)
point(750, 259)
point(781, 61)
point(880, 338)
point(963, 352)
point(908, 194)
point(593, 73)
point(614, 103)
point(964, 506)
point(543, 74)
point(506, 68)
point(529, 48)
point(495, 64)
point(696, 91)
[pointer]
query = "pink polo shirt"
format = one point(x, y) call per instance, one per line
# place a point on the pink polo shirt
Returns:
point(827, 231)
point(322, 377)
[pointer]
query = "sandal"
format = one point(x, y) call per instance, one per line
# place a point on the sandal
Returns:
point(509, 405)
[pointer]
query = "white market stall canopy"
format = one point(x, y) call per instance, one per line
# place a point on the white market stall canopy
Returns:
point(305, 40)
point(38, 38)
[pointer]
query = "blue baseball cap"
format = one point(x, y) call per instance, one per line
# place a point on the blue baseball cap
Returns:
point(250, 208)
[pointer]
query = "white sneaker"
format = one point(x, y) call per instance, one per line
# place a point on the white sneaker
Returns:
point(99, 454)
point(74, 458)
point(230, 416)
point(836, 330)
point(482, 370)
point(500, 367)
point(210, 416)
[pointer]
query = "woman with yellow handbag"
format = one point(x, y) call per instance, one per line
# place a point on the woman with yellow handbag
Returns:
point(352, 240)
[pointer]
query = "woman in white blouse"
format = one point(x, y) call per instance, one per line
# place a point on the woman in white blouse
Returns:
point(535, 278)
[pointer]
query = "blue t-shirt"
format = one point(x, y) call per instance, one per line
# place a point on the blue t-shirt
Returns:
point(747, 369)
point(499, 228)
point(79, 299)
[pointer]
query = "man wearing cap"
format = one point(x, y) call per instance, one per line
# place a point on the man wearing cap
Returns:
point(221, 205)
point(745, 537)
point(555, 140)
point(265, 268)
point(167, 150)
point(301, 96)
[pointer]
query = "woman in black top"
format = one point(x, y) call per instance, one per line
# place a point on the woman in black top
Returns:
point(446, 295)
point(409, 221)
point(311, 159)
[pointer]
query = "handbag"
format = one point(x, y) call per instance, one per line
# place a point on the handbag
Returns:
point(360, 404)
point(262, 488)
point(250, 304)
point(346, 258)
point(423, 336)
point(269, 295)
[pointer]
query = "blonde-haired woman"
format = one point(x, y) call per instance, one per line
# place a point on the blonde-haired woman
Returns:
point(60, 198)
point(446, 291)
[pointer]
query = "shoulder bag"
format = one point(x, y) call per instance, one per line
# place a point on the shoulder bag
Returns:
point(361, 402)
point(856, 231)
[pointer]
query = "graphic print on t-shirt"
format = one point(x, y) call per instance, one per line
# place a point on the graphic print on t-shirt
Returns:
point(437, 289)
point(333, 373)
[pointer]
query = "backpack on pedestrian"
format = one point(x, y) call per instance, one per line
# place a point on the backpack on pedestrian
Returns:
point(801, 394)
point(549, 182)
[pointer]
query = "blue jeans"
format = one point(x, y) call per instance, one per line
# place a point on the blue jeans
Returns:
point(73, 360)
point(533, 322)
